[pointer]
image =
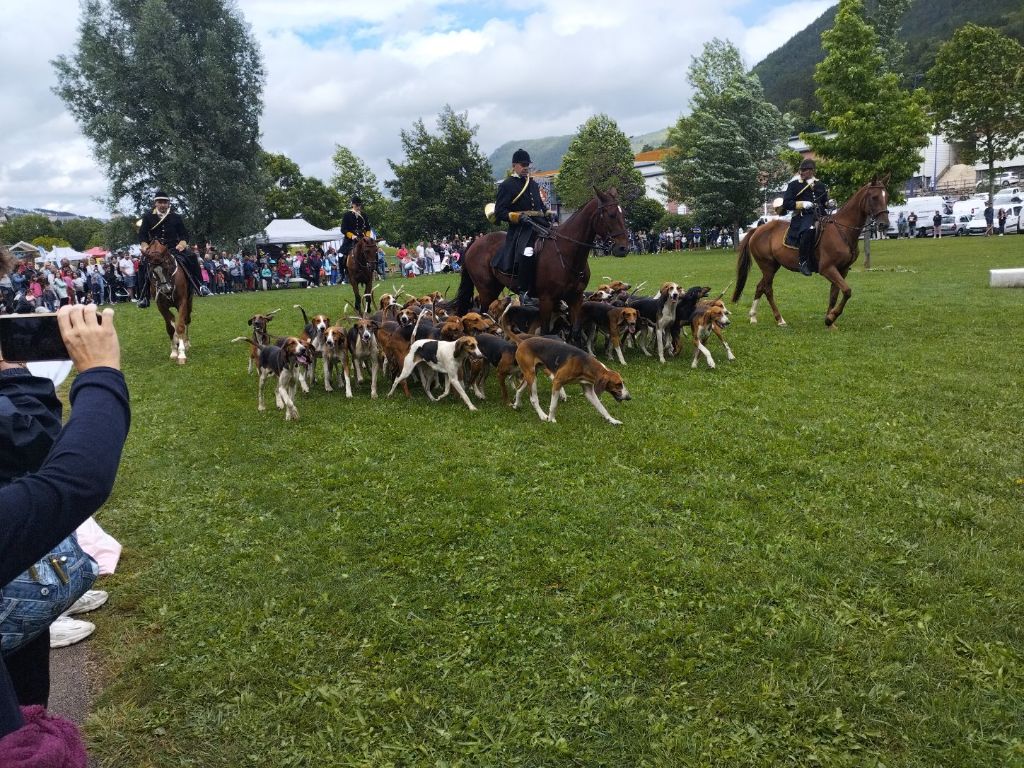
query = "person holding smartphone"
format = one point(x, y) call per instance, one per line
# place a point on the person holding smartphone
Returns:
point(41, 508)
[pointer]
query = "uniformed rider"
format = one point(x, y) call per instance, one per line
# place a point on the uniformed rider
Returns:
point(807, 198)
point(518, 199)
point(354, 224)
point(166, 226)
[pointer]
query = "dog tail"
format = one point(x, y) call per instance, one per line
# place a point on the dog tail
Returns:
point(742, 267)
point(305, 320)
point(245, 338)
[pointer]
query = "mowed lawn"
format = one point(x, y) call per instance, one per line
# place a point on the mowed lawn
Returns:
point(809, 556)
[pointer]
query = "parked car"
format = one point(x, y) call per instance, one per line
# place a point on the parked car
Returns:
point(949, 227)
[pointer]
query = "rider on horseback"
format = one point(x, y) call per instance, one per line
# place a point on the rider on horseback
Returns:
point(354, 225)
point(806, 197)
point(518, 199)
point(166, 226)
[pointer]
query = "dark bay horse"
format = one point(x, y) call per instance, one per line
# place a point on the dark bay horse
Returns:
point(836, 252)
point(173, 297)
point(562, 269)
point(361, 264)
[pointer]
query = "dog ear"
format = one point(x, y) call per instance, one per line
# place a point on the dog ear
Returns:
point(601, 384)
point(251, 319)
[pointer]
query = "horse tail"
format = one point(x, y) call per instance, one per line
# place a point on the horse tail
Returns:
point(743, 266)
point(464, 297)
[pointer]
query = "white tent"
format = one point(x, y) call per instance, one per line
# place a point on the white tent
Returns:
point(282, 231)
point(59, 253)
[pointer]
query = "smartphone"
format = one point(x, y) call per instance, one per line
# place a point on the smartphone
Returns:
point(30, 338)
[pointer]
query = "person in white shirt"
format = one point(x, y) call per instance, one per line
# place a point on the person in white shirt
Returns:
point(128, 273)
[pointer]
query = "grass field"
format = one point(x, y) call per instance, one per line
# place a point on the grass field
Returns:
point(809, 556)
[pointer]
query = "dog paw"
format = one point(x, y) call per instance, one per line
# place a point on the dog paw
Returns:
point(261, 408)
point(615, 422)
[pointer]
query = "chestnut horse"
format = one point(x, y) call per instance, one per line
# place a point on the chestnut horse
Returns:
point(837, 249)
point(361, 264)
point(173, 296)
point(562, 269)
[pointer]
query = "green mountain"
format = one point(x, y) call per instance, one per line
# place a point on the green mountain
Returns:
point(546, 154)
point(787, 74)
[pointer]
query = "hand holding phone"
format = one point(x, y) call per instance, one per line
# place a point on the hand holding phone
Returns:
point(90, 342)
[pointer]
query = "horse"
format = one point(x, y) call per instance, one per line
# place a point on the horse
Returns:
point(173, 297)
point(361, 263)
point(837, 250)
point(562, 269)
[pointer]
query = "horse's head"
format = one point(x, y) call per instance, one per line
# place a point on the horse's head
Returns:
point(875, 201)
point(158, 253)
point(609, 222)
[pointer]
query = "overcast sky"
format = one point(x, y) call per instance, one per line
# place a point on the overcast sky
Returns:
point(357, 72)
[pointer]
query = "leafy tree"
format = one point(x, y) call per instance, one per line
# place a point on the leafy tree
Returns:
point(978, 95)
point(684, 221)
point(170, 94)
point(120, 232)
point(290, 194)
point(599, 156)
point(79, 232)
point(27, 228)
point(49, 243)
point(644, 214)
point(726, 147)
point(887, 21)
point(873, 126)
point(445, 181)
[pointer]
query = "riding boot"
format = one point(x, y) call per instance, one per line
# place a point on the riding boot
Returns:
point(527, 274)
point(807, 253)
point(143, 284)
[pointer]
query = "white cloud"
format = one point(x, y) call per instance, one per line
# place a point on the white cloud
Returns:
point(357, 73)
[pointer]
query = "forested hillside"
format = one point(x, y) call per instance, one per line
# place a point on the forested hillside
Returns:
point(787, 74)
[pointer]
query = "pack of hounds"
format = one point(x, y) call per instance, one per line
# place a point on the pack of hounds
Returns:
point(422, 339)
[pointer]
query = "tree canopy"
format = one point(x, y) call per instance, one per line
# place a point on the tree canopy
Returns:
point(170, 95)
point(444, 182)
point(289, 194)
point(872, 125)
point(599, 156)
point(729, 144)
point(978, 83)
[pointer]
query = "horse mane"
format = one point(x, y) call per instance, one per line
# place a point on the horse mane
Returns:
point(858, 195)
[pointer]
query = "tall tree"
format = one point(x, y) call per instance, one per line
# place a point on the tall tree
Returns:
point(978, 94)
point(353, 177)
point(445, 181)
point(872, 125)
point(289, 194)
point(170, 94)
point(599, 155)
point(729, 144)
point(887, 21)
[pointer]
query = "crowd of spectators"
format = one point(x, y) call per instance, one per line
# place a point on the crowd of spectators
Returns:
point(680, 239)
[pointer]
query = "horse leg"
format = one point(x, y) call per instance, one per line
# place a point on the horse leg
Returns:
point(766, 288)
point(837, 278)
point(181, 334)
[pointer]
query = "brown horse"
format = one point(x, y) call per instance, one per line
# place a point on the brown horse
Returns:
point(837, 250)
point(173, 296)
point(562, 268)
point(361, 264)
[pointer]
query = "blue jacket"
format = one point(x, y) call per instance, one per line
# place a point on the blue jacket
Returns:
point(41, 509)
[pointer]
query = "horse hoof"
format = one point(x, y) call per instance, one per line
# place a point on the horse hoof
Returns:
point(783, 324)
point(753, 321)
point(181, 361)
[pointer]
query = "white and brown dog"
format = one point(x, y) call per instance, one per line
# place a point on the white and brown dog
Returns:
point(334, 351)
point(710, 317)
point(284, 361)
point(444, 357)
point(312, 337)
point(566, 364)
point(660, 313)
point(361, 342)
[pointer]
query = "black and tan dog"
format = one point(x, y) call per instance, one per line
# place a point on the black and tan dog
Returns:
point(614, 322)
point(284, 361)
point(499, 354)
point(260, 335)
point(566, 364)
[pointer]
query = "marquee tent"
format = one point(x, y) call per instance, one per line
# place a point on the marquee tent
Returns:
point(58, 254)
point(282, 231)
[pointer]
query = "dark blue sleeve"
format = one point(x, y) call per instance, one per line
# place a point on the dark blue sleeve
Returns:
point(39, 510)
point(30, 419)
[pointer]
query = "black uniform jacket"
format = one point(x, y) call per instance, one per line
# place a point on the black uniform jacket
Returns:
point(353, 222)
point(169, 230)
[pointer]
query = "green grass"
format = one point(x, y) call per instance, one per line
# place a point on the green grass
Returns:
point(810, 556)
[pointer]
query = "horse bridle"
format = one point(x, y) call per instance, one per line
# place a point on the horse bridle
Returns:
point(606, 239)
point(869, 217)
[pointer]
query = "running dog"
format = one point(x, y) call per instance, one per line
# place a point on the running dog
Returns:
point(284, 361)
point(441, 357)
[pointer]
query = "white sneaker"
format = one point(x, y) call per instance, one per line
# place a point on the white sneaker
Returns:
point(67, 631)
point(90, 601)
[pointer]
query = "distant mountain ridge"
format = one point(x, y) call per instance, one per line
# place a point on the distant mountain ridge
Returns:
point(787, 73)
point(546, 153)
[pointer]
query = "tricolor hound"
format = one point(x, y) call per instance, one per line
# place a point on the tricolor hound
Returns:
point(284, 361)
point(442, 357)
point(566, 364)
